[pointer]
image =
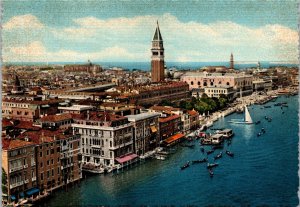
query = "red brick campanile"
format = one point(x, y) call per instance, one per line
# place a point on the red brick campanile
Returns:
point(231, 62)
point(157, 58)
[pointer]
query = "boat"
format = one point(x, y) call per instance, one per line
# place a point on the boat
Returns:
point(211, 173)
point(160, 157)
point(199, 161)
point(229, 153)
point(227, 133)
point(185, 165)
point(209, 151)
point(202, 149)
point(267, 106)
point(218, 156)
point(247, 119)
point(211, 165)
point(258, 122)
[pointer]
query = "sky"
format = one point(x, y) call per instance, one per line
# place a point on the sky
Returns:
point(111, 30)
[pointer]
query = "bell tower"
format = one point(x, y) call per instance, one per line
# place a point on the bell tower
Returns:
point(231, 62)
point(157, 58)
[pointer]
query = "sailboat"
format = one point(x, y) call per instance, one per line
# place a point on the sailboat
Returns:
point(246, 120)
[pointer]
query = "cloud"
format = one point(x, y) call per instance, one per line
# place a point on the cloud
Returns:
point(129, 39)
point(36, 52)
point(27, 21)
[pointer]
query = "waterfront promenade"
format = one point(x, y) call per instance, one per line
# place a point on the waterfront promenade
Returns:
point(239, 103)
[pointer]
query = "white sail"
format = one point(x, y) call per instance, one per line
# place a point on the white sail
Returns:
point(248, 118)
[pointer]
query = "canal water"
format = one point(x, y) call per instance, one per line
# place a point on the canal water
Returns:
point(264, 170)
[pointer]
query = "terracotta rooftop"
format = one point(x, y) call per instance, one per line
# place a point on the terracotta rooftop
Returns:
point(51, 101)
point(193, 112)
point(169, 118)
point(8, 144)
point(43, 136)
point(7, 123)
point(98, 116)
point(56, 118)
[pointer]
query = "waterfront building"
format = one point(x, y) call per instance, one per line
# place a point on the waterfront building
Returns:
point(27, 110)
point(157, 58)
point(169, 126)
point(241, 83)
point(194, 119)
point(57, 157)
point(262, 85)
point(218, 91)
point(145, 132)
point(104, 137)
point(18, 162)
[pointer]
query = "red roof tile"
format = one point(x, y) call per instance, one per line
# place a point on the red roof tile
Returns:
point(56, 118)
point(8, 144)
point(173, 117)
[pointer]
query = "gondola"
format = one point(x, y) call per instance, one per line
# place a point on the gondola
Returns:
point(229, 153)
point(218, 156)
point(199, 161)
point(185, 165)
point(211, 165)
point(211, 173)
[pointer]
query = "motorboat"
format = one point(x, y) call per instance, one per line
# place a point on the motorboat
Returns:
point(211, 165)
point(209, 151)
point(227, 133)
point(229, 153)
point(258, 122)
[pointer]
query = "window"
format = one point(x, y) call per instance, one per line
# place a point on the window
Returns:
point(52, 151)
point(41, 154)
point(48, 162)
point(227, 83)
point(47, 152)
point(42, 176)
point(52, 172)
point(41, 164)
point(198, 83)
point(48, 174)
point(192, 82)
point(52, 161)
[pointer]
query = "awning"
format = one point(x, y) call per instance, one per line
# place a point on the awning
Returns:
point(22, 195)
point(32, 191)
point(12, 197)
point(153, 129)
point(173, 138)
point(126, 158)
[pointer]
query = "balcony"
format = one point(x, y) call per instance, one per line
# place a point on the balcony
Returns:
point(121, 145)
point(26, 181)
point(33, 164)
point(25, 166)
point(13, 185)
point(66, 166)
point(33, 179)
point(16, 168)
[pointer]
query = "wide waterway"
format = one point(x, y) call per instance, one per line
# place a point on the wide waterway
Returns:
point(264, 170)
